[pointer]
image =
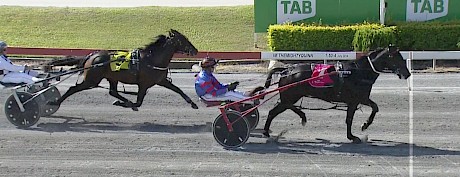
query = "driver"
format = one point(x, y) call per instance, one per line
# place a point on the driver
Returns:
point(207, 87)
point(15, 73)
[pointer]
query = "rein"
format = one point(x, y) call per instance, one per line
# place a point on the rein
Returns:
point(157, 68)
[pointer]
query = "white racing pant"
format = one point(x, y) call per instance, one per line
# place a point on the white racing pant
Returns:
point(229, 96)
point(20, 77)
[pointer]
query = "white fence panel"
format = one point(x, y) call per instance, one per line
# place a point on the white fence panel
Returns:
point(436, 55)
point(312, 55)
point(307, 55)
point(407, 55)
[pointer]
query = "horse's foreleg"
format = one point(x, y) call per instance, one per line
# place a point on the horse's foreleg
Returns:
point(349, 121)
point(375, 109)
point(300, 113)
point(278, 109)
point(167, 84)
point(140, 96)
point(114, 92)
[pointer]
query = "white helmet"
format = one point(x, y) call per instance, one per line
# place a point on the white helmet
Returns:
point(3, 45)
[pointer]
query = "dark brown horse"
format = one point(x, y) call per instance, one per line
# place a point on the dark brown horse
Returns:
point(354, 90)
point(152, 70)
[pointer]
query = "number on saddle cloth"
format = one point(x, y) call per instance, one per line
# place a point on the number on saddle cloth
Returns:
point(318, 71)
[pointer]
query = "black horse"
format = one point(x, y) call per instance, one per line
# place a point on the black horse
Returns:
point(353, 89)
point(153, 69)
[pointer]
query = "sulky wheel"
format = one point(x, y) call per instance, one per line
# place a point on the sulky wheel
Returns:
point(237, 137)
point(25, 119)
point(52, 94)
point(34, 88)
point(252, 117)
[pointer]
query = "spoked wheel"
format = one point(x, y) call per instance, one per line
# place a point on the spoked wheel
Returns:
point(235, 138)
point(52, 94)
point(252, 117)
point(25, 119)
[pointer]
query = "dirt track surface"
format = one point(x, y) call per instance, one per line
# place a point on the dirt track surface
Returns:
point(88, 136)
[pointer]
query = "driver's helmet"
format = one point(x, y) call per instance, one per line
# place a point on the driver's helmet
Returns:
point(208, 62)
point(3, 45)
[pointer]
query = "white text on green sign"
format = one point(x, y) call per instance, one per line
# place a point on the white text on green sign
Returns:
point(423, 10)
point(295, 10)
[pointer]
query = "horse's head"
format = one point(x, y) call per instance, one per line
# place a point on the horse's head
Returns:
point(182, 44)
point(390, 59)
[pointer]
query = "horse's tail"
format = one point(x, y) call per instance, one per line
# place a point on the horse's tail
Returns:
point(270, 74)
point(68, 61)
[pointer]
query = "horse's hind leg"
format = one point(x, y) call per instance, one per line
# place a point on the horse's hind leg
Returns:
point(349, 121)
point(72, 90)
point(167, 84)
point(375, 109)
point(278, 109)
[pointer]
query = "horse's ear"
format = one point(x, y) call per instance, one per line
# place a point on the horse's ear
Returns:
point(173, 31)
point(392, 48)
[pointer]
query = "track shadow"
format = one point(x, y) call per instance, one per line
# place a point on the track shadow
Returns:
point(321, 146)
point(74, 124)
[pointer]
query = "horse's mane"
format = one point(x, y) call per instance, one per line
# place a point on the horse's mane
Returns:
point(363, 58)
point(154, 45)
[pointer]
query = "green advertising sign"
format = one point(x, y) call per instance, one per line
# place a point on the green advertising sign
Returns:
point(269, 12)
point(422, 10)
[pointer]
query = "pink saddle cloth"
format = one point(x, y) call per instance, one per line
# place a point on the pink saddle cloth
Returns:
point(322, 80)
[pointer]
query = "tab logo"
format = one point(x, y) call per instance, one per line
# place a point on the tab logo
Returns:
point(295, 10)
point(424, 10)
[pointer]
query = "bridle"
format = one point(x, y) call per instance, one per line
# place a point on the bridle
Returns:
point(170, 39)
point(390, 55)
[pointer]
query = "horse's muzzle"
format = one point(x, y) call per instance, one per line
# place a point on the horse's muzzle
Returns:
point(405, 76)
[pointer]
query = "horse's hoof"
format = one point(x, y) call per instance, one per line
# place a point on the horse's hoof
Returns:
point(364, 126)
point(117, 103)
point(134, 109)
point(304, 122)
point(266, 134)
point(194, 106)
point(356, 140)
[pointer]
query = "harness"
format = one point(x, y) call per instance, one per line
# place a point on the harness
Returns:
point(123, 60)
point(135, 57)
point(157, 68)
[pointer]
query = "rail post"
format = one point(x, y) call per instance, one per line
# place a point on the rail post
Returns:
point(409, 67)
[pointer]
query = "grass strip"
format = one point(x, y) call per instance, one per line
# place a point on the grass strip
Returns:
point(208, 28)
